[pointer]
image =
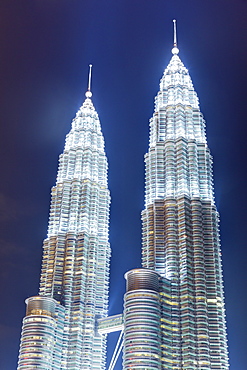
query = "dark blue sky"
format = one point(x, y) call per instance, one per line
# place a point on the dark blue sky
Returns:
point(46, 46)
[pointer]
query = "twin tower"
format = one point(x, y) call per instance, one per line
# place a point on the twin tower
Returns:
point(173, 314)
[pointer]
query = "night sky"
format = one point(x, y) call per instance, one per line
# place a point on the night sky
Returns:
point(45, 49)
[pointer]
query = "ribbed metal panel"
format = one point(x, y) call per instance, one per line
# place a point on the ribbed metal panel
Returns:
point(142, 279)
point(40, 306)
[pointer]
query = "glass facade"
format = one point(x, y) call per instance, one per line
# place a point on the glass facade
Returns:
point(40, 335)
point(76, 256)
point(181, 228)
point(142, 331)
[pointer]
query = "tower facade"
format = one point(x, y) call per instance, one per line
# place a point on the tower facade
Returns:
point(181, 227)
point(59, 329)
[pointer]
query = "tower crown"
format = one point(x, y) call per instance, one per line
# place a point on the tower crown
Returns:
point(176, 86)
point(177, 136)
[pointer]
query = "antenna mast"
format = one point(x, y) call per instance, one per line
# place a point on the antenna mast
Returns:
point(175, 49)
point(89, 93)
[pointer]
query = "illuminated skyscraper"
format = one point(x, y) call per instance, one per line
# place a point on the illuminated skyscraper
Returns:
point(174, 314)
point(59, 327)
point(181, 227)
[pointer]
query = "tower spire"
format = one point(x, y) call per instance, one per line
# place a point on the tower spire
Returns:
point(89, 93)
point(175, 49)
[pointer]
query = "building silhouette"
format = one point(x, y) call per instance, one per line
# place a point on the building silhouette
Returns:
point(173, 315)
point(59, 327)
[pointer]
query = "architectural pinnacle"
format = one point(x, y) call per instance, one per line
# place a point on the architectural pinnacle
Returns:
point(175, 49)
point(89, 93)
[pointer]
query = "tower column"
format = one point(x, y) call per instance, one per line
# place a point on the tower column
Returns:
point(142, 313)
point(39, 337)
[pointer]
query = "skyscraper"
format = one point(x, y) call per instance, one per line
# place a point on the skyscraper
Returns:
point(59, 327)
point(174, 314)
point(180, 238)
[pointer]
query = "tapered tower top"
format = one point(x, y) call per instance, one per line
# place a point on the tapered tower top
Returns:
point(175, 49)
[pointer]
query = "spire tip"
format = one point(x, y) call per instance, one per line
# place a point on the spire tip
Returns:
point(175, 49)
point(89, 93)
